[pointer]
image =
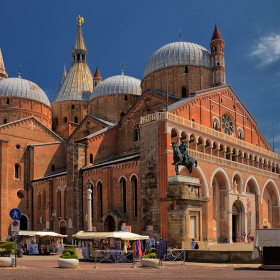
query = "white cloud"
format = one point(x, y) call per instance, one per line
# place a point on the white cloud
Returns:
point(267, 49)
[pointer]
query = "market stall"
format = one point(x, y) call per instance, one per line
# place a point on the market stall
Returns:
point(40, 242)
point(267, 243)
point(117, 246)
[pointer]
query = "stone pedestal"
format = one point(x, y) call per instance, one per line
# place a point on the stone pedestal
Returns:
point(184, 210)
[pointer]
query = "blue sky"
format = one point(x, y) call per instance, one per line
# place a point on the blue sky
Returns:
point(39, 36)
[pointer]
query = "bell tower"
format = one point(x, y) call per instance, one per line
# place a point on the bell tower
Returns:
point(218, 59)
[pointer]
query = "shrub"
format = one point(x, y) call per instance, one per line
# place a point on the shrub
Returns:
point(6, 249)
point(150, 256)
point(69, 254)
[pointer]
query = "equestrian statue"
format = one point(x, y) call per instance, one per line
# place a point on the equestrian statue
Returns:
point(181, 157)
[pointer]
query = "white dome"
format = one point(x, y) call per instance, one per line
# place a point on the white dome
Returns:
point(120, 84)
point(178, 53)
point(18, 87)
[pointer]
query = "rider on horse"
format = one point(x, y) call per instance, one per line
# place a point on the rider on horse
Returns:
point(183, 149)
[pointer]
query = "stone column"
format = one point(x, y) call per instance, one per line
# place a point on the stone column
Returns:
point(89, 218)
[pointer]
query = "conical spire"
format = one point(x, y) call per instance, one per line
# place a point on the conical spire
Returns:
point(97, 79)
point(79, 51)
point(97, 73)
point(63, 76)
point(216, 34)
point(3, 73)
point(77, 84)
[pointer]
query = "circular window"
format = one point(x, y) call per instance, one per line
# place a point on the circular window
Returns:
point(21, 194)
point(18, 146)
point(227, 124)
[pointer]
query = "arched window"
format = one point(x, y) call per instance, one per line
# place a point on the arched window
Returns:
point(136, 135)
point(123, 188)
point(39, 200)
point(240, 134)
point(134, 195)
point(17, 171)
point(99, 199)
point(65, 202)
point(44, 199)
point(91, 158)
point(5, 121)
point(59, 203)
point(216, 124)
point(184, 92)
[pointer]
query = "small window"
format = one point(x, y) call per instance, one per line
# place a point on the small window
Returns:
point(17, 171)
point(186, 70)
point(184, 92)
point(65, 119)
point(73, 106)
point(218, 63)
point(91, 158)
point(76, 120)
point(18, 146)
point(53, 167)
point(5, 121)
point(125, 98)
point(8, 101)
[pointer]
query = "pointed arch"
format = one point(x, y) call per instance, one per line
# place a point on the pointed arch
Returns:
point(275, 189)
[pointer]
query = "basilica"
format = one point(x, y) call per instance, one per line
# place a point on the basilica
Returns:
point(117, 137)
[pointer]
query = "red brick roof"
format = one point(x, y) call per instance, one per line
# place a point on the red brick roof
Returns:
point(216, 34)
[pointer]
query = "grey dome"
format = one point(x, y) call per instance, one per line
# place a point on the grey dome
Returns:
point(18, 87)
point(120, 84)
point(178, 53)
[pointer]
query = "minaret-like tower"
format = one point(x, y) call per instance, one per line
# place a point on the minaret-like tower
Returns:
point(97, 79)
point(70, 104)
point(3, 73)
point(79, 51)
point(218, 59)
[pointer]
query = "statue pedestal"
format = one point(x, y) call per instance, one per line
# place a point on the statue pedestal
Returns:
point(184, 210)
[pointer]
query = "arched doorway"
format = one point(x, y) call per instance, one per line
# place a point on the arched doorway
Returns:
point(237, 221)
point(62, 228)
point(109, 224)
point(23, 223)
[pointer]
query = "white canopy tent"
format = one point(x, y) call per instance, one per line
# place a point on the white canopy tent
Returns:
point(124, 235)
point(40, 233)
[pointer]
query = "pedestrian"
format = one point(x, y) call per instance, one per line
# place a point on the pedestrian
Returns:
point(193, 244)
point(243, 236)
point(249, 238)
point(239, 237)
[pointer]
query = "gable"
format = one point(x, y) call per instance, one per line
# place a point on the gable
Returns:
point(222, 110)
point(89, 125)
point(29, 129)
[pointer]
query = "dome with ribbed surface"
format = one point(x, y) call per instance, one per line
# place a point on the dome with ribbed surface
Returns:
point(178, 53)
point(18, 87)
point(120, 84)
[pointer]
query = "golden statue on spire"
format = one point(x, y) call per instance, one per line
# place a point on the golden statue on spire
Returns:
point(80, 20)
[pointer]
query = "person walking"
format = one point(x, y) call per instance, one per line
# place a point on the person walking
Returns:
point(249, 240)
point(193, 244)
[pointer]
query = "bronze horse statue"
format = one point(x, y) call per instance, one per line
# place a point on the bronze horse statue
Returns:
point(181, 157)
